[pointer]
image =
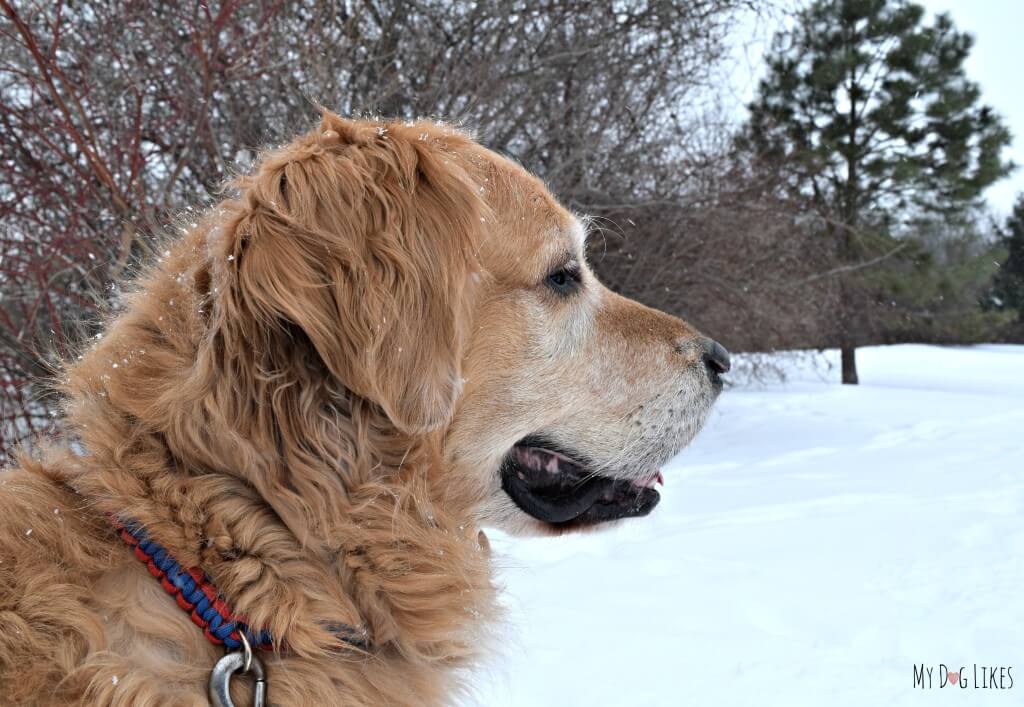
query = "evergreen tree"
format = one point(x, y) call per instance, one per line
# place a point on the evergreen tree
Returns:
point(1008, 289)
point(937, 293)
point(869, 112)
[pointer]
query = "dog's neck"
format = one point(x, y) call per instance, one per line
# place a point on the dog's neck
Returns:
point(299, 499)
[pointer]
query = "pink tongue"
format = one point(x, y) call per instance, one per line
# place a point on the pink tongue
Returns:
point(652, 481)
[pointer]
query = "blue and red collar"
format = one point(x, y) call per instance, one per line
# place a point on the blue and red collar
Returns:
point(195, 593)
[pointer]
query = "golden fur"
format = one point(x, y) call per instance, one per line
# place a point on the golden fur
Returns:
point(308, 396)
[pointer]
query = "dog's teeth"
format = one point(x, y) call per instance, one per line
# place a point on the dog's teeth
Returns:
point(539, 460)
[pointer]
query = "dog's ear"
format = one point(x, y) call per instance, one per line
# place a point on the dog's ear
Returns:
point(361, 236)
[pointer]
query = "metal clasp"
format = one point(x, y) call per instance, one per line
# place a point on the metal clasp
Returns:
point(242, 661)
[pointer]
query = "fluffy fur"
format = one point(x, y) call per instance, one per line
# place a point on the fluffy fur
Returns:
point(308, 396)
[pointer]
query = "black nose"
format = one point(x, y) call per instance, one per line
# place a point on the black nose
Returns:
point(716, 358)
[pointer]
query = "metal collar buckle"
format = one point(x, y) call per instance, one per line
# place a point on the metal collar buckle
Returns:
point(243, 662)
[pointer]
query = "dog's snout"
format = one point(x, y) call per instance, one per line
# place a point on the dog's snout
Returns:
point(716, 358)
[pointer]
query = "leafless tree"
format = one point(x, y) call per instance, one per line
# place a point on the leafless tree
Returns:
point(118, 115)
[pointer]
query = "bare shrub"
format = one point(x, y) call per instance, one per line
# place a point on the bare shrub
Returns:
point(115, 116)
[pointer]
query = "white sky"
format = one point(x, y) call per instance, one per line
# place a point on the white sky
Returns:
point(996, 63)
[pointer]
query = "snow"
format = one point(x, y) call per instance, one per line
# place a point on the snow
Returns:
point(814, 545)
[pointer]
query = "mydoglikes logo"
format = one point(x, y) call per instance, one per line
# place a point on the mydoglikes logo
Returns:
point(977, 677)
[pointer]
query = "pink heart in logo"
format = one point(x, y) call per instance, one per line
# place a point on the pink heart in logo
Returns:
point(953, 678)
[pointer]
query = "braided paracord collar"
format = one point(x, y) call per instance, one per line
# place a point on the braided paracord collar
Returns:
point(196, 594)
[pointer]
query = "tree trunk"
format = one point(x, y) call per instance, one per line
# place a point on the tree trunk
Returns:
point(849, 355)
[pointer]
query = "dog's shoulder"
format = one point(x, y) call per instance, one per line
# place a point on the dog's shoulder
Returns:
point(51, 547)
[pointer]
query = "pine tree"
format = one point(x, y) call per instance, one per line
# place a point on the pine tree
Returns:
point(1008, 289)
point(938, 292)
point(870, 113)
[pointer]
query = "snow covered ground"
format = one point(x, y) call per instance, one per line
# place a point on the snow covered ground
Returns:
point(815, 544)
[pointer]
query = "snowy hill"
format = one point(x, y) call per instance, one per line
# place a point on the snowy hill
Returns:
point(814, 545)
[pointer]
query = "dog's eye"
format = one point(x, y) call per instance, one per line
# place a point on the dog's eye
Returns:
point(564, 280)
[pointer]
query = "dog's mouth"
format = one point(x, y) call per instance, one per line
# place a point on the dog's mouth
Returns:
point(559, 487)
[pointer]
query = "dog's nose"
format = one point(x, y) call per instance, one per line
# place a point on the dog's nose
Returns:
point(716, 358)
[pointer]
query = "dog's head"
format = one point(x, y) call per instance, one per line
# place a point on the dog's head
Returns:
point(574, 395)
point(445, 285)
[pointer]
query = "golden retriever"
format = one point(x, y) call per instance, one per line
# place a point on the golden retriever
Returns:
point(386, 338)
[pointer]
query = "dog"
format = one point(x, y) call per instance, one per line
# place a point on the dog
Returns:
point(296, 424)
